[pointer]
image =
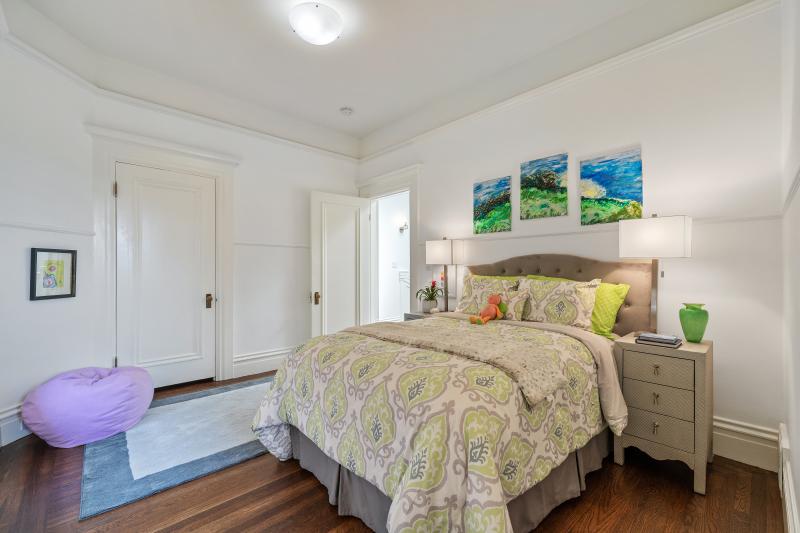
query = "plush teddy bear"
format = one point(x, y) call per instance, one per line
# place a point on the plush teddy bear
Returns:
point(495, 309)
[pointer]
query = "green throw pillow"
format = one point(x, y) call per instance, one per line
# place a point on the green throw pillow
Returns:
point(608, 299)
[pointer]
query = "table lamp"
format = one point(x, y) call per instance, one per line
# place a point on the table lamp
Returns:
point(444, 252)
point(664, 237)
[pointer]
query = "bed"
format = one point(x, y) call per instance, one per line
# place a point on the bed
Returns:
point(438, 425)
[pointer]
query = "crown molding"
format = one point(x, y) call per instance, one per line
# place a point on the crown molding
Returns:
point(751, 9)
point(31, 52)
point(697, 30)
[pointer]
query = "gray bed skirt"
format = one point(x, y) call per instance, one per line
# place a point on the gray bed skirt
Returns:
point(355, 496)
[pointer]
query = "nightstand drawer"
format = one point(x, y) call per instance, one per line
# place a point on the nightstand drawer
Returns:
point(669, 371)
point(662, 429)
point(678, 403)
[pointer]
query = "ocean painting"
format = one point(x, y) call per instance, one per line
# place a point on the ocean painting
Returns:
point(611, 187)
point(543, 187)
point(491, 205)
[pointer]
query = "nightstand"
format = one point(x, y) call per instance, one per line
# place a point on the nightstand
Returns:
point(670, 397)
point(413, 316)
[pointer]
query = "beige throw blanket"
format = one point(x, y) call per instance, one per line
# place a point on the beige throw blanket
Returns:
point(615, 410)
point(539, 373)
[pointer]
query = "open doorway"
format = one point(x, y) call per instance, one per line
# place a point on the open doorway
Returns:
point(393, 256)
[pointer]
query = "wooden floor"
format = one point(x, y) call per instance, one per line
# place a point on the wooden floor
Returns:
point(40, 491)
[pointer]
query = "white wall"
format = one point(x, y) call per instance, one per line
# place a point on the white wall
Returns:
point(706, 110)
point(791, 369)
point(393, 256)
point(791, 87)
point(791, 229)
point(46, 200)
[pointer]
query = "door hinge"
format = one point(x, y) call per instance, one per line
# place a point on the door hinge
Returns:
point(114, 189)
point(115, 362)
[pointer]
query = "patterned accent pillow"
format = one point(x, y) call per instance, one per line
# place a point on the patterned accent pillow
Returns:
point(518, 303)
point(561, 302)
point(476, 291)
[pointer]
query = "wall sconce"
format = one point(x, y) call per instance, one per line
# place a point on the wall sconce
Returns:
point(403, 228)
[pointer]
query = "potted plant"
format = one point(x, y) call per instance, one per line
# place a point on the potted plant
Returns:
point(429, 296)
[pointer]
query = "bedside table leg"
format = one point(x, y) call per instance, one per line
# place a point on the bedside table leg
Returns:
point(619, 451)
point(700, 478)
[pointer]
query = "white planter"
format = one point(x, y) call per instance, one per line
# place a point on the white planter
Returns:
point(427, 305)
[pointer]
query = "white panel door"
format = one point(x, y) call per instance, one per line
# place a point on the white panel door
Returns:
point(165, 273)
point(340, 258)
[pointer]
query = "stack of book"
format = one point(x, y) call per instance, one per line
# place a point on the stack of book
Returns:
point(667, 341)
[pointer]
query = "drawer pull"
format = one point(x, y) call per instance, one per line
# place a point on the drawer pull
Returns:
point(656, 397)
point(655, 428)
point(656, 369)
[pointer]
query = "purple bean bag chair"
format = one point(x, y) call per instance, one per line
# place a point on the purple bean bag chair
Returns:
point(87, 405)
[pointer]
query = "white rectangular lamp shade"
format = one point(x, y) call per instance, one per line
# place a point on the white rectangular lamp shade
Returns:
point(656, 237)
point(439, 252)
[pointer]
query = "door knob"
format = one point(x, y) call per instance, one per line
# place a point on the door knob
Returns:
point(209, 301)
point(316, 298)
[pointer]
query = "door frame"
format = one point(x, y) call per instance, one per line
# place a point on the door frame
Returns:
point(113, 146)
point(318, 279)
point(400, 180)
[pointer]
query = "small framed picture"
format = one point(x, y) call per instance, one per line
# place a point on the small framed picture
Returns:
point(53, 273)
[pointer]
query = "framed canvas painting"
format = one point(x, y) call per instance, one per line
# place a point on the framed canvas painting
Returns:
point(53, 273)
point(491, 206)
point(611, 187)
point(543, 187)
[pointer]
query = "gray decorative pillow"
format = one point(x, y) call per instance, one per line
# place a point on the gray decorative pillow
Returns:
point(477, 289)
point(561, 302)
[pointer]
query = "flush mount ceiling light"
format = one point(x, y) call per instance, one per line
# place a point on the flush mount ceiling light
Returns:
point(316, 23)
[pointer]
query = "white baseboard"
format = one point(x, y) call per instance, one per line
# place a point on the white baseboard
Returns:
point(786, 479)
point(746, 443)
point(11, 426)
point(257, 362)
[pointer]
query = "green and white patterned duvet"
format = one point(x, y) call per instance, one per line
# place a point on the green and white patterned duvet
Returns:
point(450, 439)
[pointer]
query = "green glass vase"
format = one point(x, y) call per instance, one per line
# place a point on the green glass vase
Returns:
point(694, 320)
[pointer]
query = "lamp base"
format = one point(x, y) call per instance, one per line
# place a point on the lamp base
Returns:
point(446, 292)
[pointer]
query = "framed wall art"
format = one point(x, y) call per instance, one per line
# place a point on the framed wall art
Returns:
point(491, 205)
point(543, 187)
point(53, 273)
point(611, 187)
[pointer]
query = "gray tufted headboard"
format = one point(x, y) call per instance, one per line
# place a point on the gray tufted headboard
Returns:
point(638, 313)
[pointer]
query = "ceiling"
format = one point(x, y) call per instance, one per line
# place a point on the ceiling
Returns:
point(395, 59)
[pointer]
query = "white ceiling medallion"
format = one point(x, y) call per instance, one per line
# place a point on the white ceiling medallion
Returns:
point(316, 23)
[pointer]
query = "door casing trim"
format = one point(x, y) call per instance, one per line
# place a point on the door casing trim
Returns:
point(114, 146)
point(401, 180)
